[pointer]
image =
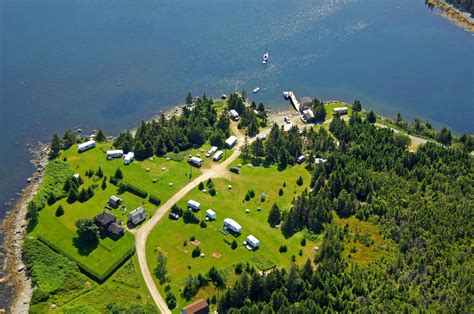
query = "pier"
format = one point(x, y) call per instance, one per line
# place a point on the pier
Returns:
point(294, 101)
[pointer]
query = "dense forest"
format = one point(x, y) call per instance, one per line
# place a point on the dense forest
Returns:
point(423, 201)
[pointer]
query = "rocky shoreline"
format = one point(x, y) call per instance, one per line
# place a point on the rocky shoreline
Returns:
point(460, 18)
point(14, 226)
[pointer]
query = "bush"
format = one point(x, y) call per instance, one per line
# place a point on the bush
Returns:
point(196, 252)
point(51, 198)
point(212, 192)
point(299, 181)
point(303, 242)
point(170, 300)
point(154, 200)
point(283, 249)
point(280, 192)
point(39, 296)
point(190, 218)
point(203, 224)
point(234, 245)
point(239, 269)
point(201, 186)
point(247, 197)
point(114, 180)
point(118, 174)
point(192, 238)
point(59, 211)
point(124, 186)
point(251, 193)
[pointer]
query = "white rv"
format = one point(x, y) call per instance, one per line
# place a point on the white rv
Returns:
point(82, 147)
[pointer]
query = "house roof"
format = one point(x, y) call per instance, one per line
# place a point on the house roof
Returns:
point(200, 306)
point(104, 218)
point(115, 228)
point(137, 212)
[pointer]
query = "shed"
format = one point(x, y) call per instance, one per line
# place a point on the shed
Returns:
point(211, 214)
point(341, 110)
point(231, 141)
point(253, 242)
point(194, 205)
point(82, 147)
point(232, 225)
point(114, 153)
point(137, 215)
point(115, 201)
point(198, 307)
point(128, 158)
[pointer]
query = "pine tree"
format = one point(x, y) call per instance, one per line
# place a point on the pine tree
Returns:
point(357, 106)
point(104, 183)
point(51, 198)
point(72, 196)
point(55, 146)
point(274, 217)
point(99, 172)
point(189, 99)
point(100, 136)
point(118, 174)
point(59, 211)
point(69, 139)
point(371, 118)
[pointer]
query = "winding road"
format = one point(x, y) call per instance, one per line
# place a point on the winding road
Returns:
point(141, 234)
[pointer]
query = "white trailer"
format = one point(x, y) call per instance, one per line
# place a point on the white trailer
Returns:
point(253, 242)
point(211, 151)
point(218, 155)
point(192, 204)
point(231, 141)
point(128, 158)
point(82, 147)
point(211, 214)
point(115, 153)
point(232, 225)
point(196, 161)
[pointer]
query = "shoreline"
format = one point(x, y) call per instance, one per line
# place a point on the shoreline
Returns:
point(448, 11)
point(14, 226)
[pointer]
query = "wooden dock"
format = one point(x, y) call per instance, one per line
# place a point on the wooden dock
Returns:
point(294, 101)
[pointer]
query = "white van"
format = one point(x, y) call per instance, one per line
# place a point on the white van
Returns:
point(218, 155)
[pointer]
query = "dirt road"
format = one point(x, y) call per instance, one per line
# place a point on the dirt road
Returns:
point(141, 235)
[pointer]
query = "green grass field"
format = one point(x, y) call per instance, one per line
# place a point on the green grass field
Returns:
point(330, 107)
point(169, 236)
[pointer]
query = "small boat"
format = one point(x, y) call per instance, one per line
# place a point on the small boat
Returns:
point(286, 94)
point(266, 56)
point(256, 89)
point(223, 96)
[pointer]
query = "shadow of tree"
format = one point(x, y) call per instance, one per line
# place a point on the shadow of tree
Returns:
point(85, 247)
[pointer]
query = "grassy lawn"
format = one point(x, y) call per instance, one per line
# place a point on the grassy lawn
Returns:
point(60, 232)
point(330, 107)
point(230, 203)
point(365, 237)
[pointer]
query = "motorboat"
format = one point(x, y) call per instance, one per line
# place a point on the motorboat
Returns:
point(256, 89)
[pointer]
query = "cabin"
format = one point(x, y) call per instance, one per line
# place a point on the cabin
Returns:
point(253, 242)
point(231, 141)
point(198, 307)
point(115, 153)
point(193, 205)
point(218, 155)
point(234, 115)
point(308, 115)
point(301, 159)
point(211, 151)
point(211, 214)
point(196, 161)
point(107, 224)
point(137, 215)
point(115, 201)
point(82, 147)
point(128, 158)
point(232, 225)
point(341, 110)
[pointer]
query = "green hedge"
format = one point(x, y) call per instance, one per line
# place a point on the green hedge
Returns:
point(100, 277)
point(154, 200)
point(124, 186)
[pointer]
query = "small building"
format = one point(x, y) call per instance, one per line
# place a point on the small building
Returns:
point(192, 204)
point(218, 155)
point(115, 201)
point(305, 103)
point(320, 160)
point(253, 242)
point(211, 214)
point(263, 197)
point(341, 110)
point(107, 224)
point(198, 307)
point(137, 215)
point(232, 225)
point(115, 153)
point(196, 161)
point(308, 115)
point(231, 141)
point(82, 147)
point(211, 151)
point(301, 159)
point(128, 158)
point(234, 115)
point(261, 137)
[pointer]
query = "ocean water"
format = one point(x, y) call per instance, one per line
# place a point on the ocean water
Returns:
point(108, 64)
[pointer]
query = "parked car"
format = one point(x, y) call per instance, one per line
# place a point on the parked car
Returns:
point(287, 120)
point(234, 170)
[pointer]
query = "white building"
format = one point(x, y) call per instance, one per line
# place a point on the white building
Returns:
point(301, 159)
point(115, 201)
point(232, 225)
point(218, 155)
point(211, 214)
point(341, 110)
point(234, 115)
point(211, 151)
point(115, 153)
point(82, 147)
point(261, 137)
point(194, 205)
point(253, 242)
point(137, 215)
point(128, 158)
point(231, 141)
point(320, 160)
point(196, 161)
point(308, 114)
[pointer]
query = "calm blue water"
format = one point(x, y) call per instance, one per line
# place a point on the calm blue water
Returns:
point(108, 64)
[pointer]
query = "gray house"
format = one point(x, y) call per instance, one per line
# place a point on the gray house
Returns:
point(137, 215)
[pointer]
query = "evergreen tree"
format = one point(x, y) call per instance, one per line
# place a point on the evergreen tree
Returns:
point(72, 196)
point(357, 107)
point(274, 216)
point(189, 99)
point(51, 198)
point(69, 139)
point(55, 146)
point(99, 172)
point(100, 136)
point(59, 211)
point(104, 183)
point(118, 174)
point(371, 118)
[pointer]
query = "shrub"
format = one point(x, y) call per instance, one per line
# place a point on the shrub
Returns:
point(99, 173)
point(251, 193)
point(170, 300)
point(247, 197)
point(59, 211)
point(239, 269)
point(299, 181)
point(192, 238)
point(283, 249)
point(196, 252)
point(154, 200)
point(303, 242)
point(39, 296)
point(234, 245)
point(280, 192)
point(51, 198)
point(203, 224)
point(190, 218)
point(212, 192)
point(124, 186)
point(118, 174)
point(201, 186)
